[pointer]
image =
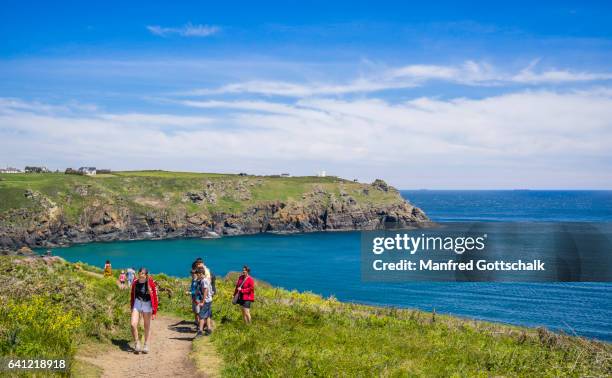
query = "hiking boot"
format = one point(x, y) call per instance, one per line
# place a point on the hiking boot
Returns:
point(137, 347)
point(145, 350)
point(199, 334)
point(207, 332)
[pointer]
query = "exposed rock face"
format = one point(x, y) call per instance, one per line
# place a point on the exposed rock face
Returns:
point(238, 191)
point(106, 220)
point(380, 185)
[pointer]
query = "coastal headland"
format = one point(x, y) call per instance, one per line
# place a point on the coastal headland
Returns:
point(56, 209)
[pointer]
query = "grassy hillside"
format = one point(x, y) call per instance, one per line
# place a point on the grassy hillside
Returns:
point(54, 309)
point(298, 334)
point(161, 190)
point(48, 309)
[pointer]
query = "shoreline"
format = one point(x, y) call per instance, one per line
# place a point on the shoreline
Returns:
point(390, 305)
point(230, 275)
point(213, 235)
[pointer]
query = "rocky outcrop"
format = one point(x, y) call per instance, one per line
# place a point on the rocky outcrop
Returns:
point(46, 225)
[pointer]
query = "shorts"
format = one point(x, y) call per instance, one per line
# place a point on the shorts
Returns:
point(244, 304)
point(206, 310)
point(195, 308)
point(142, 306)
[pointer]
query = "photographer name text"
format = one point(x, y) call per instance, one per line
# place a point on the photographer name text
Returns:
point(451, 265)
point(457, 245)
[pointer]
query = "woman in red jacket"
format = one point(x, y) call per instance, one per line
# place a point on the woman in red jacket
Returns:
point(245, 287)
point(143, 301)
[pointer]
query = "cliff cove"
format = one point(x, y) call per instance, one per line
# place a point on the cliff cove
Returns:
point(55, 209)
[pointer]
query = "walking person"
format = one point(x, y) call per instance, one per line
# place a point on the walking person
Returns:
point(210, 276)
point(143, 301)
point(195, 263)
point(195, 297)
point(199, 263)
point(244, 293)
point(122, 279)
point(108, 270)
point(204, 290)
point(131, 273)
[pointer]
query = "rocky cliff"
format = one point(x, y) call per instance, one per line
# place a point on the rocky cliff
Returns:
point(54, 209)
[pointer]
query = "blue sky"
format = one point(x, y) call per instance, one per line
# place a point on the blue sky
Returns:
point(444, 95)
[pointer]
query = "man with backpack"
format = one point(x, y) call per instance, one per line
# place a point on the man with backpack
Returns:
point(196, 293)
point(199, 263)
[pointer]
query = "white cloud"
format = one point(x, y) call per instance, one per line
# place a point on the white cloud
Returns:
point(558, 76)
point(469, 73)
point(279, 88)
point(187, 30)
point(157, 120)
point(522, 139)
point(423, 71)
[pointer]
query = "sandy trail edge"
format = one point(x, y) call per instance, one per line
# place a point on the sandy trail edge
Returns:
point(169, 352)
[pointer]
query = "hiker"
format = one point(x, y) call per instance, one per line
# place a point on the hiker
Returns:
point(194, 264)
point(143, 301)
point(131, 273)
point(204, 292)
point(122, 279)
point(210, 276)
point(108, 270)
point(244, 293)
point(195, 299)
point(199, 263)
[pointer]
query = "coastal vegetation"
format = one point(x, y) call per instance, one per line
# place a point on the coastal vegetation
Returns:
point(168, 190)
point(50, 308)
point(51, 209)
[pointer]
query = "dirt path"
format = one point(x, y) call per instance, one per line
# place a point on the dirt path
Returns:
point(171, 353)
point(170, 348)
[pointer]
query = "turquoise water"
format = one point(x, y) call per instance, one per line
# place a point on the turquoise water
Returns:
point(329, 263)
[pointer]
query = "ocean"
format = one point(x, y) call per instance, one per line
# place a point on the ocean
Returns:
point(328, 263)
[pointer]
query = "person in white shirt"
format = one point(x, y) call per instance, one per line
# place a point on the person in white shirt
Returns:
point(204, 288)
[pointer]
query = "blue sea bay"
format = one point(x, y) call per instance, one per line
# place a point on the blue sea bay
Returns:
point(328, 263)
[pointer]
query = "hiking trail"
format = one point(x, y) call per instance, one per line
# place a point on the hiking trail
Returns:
point(169, 355)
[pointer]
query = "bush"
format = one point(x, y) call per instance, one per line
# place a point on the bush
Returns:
point(38, 328)
point(48, 309)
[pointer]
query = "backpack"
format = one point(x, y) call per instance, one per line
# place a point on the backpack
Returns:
point(213, 280)
point(194, 287)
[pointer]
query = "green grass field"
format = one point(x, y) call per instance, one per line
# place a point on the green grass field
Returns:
point(302, 334)
point(55, 310)
point(49, 311)
point(166, 191)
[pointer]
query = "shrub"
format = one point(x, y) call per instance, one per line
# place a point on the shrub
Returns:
point(38, 328)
